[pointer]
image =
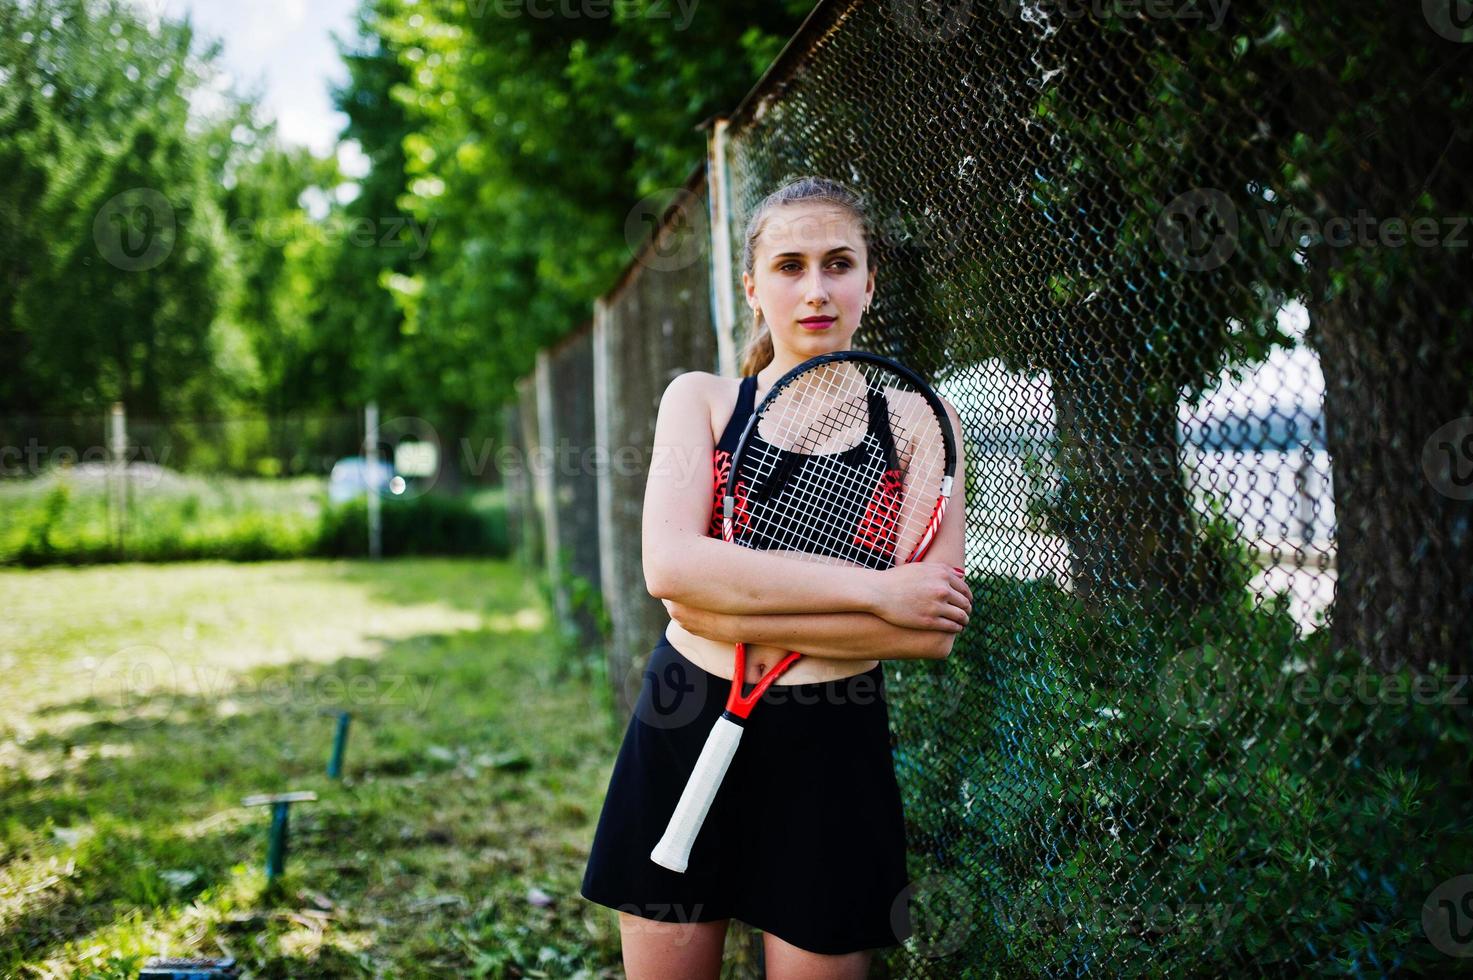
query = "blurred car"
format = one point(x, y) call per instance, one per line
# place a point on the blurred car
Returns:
point(350, 478)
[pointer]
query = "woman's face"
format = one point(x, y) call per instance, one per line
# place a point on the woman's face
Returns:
point(810, 262)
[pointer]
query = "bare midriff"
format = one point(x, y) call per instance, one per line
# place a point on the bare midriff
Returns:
point(719, 658)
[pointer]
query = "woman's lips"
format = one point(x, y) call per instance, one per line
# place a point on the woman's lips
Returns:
point(816, 324)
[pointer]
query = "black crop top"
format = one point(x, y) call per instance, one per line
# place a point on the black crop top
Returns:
point(772, 483)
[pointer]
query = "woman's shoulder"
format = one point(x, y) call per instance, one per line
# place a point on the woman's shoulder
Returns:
point(713, 394)
point(702, 386)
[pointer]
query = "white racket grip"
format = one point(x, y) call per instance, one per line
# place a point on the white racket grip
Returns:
point(673, 850)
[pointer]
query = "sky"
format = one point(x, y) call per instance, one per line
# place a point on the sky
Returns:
point(282, 49)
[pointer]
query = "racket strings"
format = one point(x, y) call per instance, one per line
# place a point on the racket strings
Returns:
point(815, 510)
point(845, 503)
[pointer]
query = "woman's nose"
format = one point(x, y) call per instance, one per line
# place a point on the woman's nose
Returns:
point(814, 288)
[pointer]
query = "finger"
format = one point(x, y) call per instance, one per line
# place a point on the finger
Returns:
point(955, 614)
point(963, 598)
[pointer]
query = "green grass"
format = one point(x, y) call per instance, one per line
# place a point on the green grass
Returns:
point(144, 701)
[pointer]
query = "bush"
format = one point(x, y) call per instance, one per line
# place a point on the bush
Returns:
point(59, 520)
point(1113, 787)
point(427, 525)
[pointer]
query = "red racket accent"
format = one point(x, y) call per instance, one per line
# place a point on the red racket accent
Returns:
point(742, 706)
point(931, 527)
point(878, 527)
point(720, 469)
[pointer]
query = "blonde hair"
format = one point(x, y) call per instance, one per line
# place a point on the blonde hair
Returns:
point(758, 351)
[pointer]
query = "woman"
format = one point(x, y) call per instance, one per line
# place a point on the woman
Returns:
point(805, 839)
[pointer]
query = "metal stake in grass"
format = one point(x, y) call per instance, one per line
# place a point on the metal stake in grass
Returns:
point(339, 743)
point(171, 968)
point(276, 845)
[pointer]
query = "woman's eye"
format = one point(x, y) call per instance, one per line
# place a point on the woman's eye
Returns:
point(844, 263)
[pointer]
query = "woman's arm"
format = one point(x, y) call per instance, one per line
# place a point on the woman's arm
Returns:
point(842, 636)
point(682, 563)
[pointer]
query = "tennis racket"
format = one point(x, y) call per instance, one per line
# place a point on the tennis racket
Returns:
point(848, 460)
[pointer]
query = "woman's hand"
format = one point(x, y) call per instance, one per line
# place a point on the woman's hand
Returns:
point(698, 622)
point(923, 595)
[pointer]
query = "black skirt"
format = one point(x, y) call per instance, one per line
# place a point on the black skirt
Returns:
point(805, 839)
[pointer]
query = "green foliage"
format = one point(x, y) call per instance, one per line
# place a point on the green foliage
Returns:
point(425, 525)
point(234, 520)
point(533, 139)
point(505, 154)
point(1208, 786)
point(103, 178)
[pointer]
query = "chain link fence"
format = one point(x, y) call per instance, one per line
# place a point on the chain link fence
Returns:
point(1197, 278)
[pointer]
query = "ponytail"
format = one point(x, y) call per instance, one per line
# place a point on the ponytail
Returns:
point(758, 352)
